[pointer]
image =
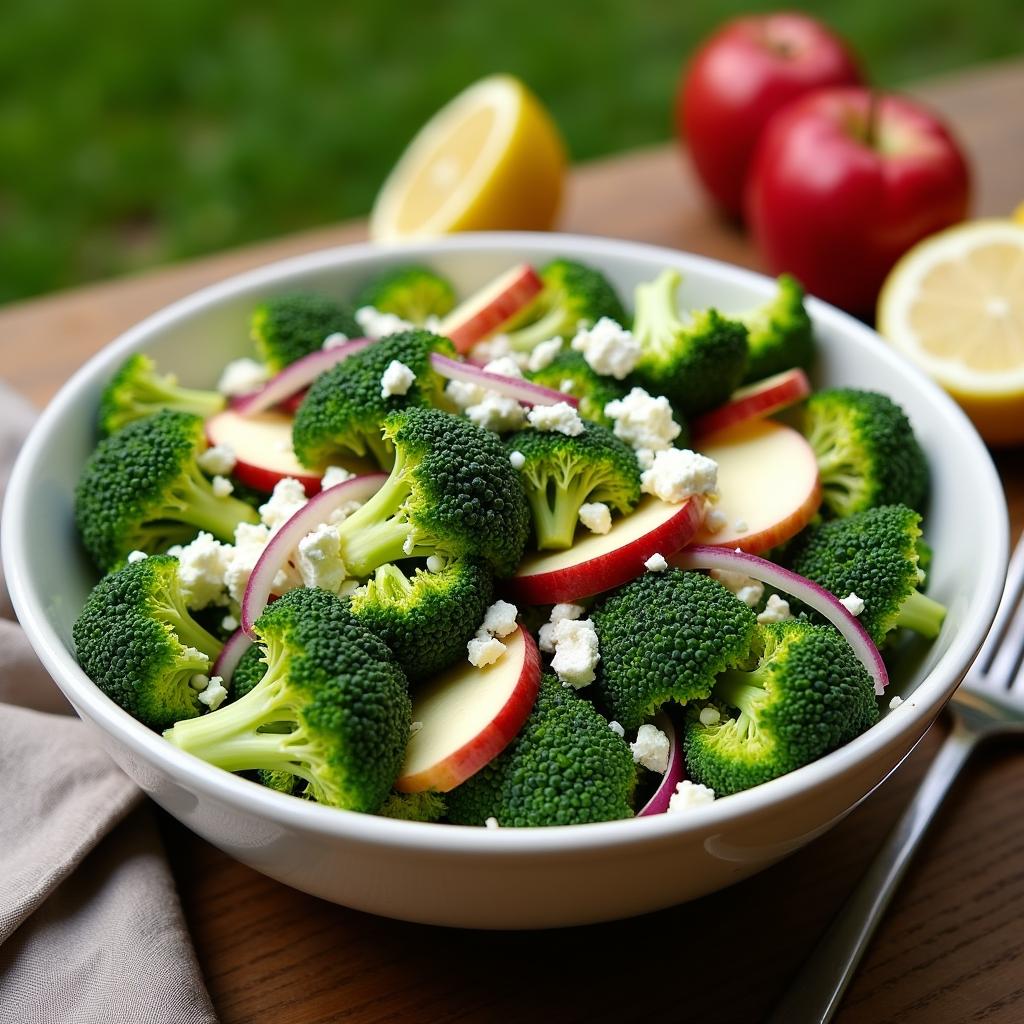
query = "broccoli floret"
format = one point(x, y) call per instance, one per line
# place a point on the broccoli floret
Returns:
point(566, 767)
point(425, 806)
point(288, 327)
point(412, 292)
point(248, 672)
point(426, 619)
point(137, 391)
point(138, 643)
point(283, 782)
point(807, 695)
point(666, 636)
point(344, 410)
point(593, 390)
point(142, 489)
point(561, 473)
point(779, 333)
point(574, 295)
point(874, 554)
point(866, 450)
point(452, 493)
point(332, 707)
point(695, 362)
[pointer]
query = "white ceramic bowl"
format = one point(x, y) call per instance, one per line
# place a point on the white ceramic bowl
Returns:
point(505, 878)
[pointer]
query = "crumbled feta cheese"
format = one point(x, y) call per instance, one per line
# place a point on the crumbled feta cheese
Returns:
point(396, 380)
point(242, 376)
point(504, 366)
point(489, 349)
point(656, 563)
point(484, 650)
point(895, 703)
point(650, 749)
point(318, 558)
point(644, 458)
point(287, 498)
point(518, 460)
point(678, 473)
point(462, 394)
point(852, 603)
point(689, 794)
point(498, 413)
point(776, 610)
point(710, 716)
point(200, 680)
point(567, 386)
point(218, 459)
point(136, 556)
point(213, 694)
point(642, 421)
point(491, 823)
point(748, 590)
point(546, 635)
point(500, 619)
point(250, 540)
point(596, 516)
point(435, 563)
point(560, 417)
point(544, 353)
point(740, 526)
point(334, 475)
point(221, 486)
point(229, 623)
point(202, 565)
point(616, 728)
point(414, 727)
point(714, 520)
point(335, 340)
point(576, 652)
point(608, 348)
point(375, 325)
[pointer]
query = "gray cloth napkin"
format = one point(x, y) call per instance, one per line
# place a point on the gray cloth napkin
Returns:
point(91, 930)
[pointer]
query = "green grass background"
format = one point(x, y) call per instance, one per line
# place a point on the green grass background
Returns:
point(136, 133)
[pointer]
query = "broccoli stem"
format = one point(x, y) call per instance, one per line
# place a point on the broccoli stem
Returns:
point(195, 503)
point(160, 392)
point(170, 609)
point(556, 510)
point(656, 316)
point(922, 614)
point(741, 690)
point(531, 335)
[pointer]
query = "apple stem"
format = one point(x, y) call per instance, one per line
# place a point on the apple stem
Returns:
point(870, 130)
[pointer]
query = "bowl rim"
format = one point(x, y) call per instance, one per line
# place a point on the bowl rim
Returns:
point(240, 794)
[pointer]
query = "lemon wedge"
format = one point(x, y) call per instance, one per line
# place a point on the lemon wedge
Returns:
point(954, 304)
point(490, 159)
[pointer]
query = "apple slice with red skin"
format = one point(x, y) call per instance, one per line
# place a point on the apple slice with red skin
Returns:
point(768, 484)
point(755, 401)
point(469, 715)
point(598, 562)
point(491, 307)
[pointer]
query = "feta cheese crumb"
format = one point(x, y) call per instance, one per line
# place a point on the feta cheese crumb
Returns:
point(853, 604)
point(414, 727)
point(650, 749)
point(491, 823)
point(287, 498)
point(546, 634)
point(202, 565)
point(504, 366)
point(740, 526)
point(710, 716)
point(199, 681)
point(334, 475)
point(494, 348)
point(776, 610)
point(221, 486)
point(560, 417)
point(616, 728)
point(484, 650)
point(500, 619)
point(596, 516)
point(518, 460)
point(567, 386)
point(895, 703)
point(335, 340)
point(643, 421)
point(748, 590)
point(656, 563)
point(496, 412)
point(644, 458)
point(544, 353)
point(689, 794)
point(396, 379)
point(714, 520)
point(242, 376)
point(608, 348)
point(213, 694)
point(678, 473)
point(462, 394)
point(136, 556)
point(435, 563)
point(318, 558)
point(375, 324)
point(576, 652)
point(229, 623)
point(218, 459)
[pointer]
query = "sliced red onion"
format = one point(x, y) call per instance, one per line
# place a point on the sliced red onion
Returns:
point(702, 556)
point(280, 547)
point(297, 376)
point(524, 391)
point(231, 654)
point(659, 800)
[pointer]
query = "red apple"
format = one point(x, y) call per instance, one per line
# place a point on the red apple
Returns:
point(491, 307)
point(843, 184)
point(755, 401)
point(749, 69)
point(468, 716)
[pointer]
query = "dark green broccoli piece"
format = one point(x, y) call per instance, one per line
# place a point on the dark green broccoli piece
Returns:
point(561, 473)
point(593, 390)
point(288, 327)
point(137, 391)
point(807, 695)
point(566, 767)
point(344, 410)
point(866, 450)
point(332, 707)
point(574, 295)
point(696, 362)
point(779, 334)
point(426, 619)
point(142, 489)
point(248, 672)
point(283, 782)
point(138, 643)
point(666, 636)
point(452, 493)
point(875, 555)
point(412, 292)
point(425, 806)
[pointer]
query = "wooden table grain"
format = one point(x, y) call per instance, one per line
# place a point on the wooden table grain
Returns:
point(950, 951)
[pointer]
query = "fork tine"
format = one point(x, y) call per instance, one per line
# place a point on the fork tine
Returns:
point(1001, 652)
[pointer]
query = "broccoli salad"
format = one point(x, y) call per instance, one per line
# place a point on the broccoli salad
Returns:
point(515, 558)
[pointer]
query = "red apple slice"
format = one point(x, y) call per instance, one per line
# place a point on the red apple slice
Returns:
point(599, 562)
point(491, 307)
point(755, 401)
point(768, 485)
point(469, 715)
point(262, 444)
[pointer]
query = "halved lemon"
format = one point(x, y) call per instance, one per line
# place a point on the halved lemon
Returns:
point(491, 159)
point(954, 304)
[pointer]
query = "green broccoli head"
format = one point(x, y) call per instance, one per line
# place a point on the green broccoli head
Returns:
point(866, 450)
point(571, 373)
point(574, 295)
point(288, 327)
point(424, 806)
point(248, 672)
point(561, 473)
point(452, 493)
point(665, 637)
point(412, 292)
point(807, 695)
point(696, 363)
point(345, 408)
point(566, 767)
point(426, 619)
point(137, 390)
point(332, 707)
point(875, 555)
point(137, 641)
point(779, 334)
point(142, 489)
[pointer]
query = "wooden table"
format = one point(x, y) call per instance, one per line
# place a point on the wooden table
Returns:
point(951, 949)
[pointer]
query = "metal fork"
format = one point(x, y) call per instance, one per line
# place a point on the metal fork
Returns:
point(989, 702)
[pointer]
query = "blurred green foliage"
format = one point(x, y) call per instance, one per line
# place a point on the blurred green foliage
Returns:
point(135, 133)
